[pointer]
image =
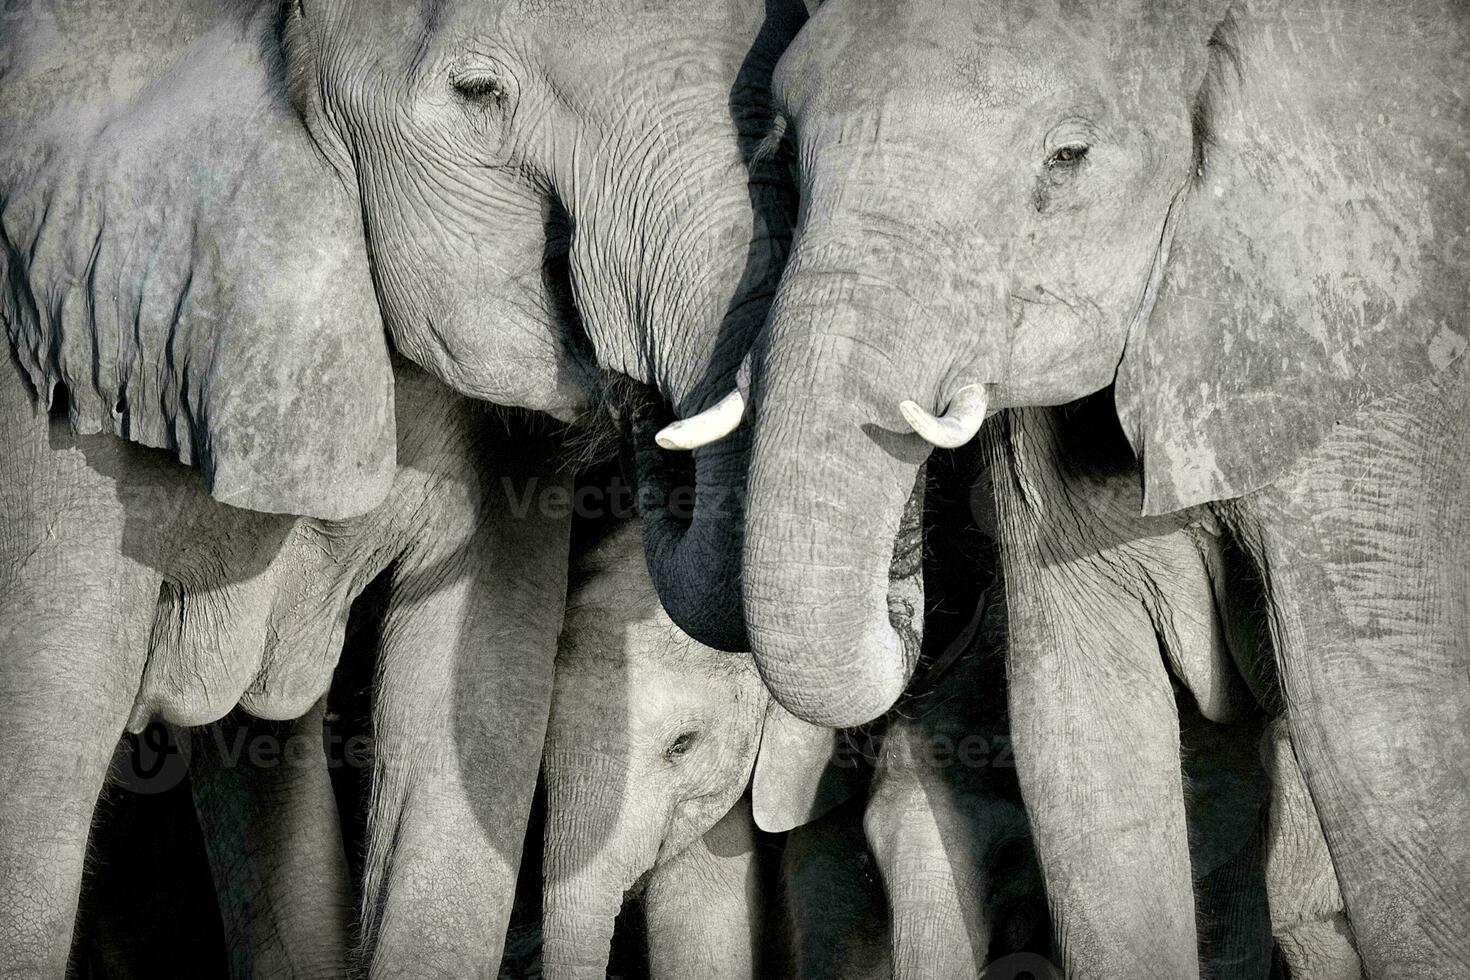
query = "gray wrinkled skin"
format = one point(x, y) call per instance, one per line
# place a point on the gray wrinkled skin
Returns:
point(649, 749)
point(210, 213)
point(1249, 216)
point(215, 218)
point(129, 594)
point(1107, 607)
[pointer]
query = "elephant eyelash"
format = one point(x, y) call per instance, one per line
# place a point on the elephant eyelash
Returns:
point(1067, 156)
point(485, 90)
point(680, 745)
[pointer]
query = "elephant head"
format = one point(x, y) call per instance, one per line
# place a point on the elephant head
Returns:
point(1250, 216)
point(211, 212)
point(652, 740)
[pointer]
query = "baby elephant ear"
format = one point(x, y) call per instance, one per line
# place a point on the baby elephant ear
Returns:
point(801, 772)
point(1319, 251)
point(181, 262)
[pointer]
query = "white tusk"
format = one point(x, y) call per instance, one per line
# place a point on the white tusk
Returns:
point(959, 424)
point(710, 425)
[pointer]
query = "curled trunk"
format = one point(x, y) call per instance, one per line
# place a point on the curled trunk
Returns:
point(833, 473)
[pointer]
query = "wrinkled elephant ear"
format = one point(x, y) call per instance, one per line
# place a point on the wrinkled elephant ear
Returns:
point(801, 772)
point(1319, 252)
point(179, 257)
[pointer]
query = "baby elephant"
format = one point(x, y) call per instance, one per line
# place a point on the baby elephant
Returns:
point(649, 749)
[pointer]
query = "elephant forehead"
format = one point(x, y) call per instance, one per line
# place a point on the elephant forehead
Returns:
point(933, 56)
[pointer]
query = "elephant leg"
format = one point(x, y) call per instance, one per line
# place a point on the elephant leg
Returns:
point(703, 907)
point(1101, 604)
point(264, 800)
point(461, 700)
point(1307, 915)
point(1365, 551)
point(930, 845)
point(66, 689)
point(1235, 920)
point(1096, 736)
point(74, 621)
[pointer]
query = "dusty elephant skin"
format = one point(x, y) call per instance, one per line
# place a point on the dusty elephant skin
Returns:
point(210, 214)
point(198, 606)
point(1251, 217)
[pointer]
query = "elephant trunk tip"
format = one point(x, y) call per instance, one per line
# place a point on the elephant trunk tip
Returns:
point(841, 698)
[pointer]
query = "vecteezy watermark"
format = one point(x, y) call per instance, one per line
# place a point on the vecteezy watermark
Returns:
point(930, 751)
point(616, 498)
point(156, 761)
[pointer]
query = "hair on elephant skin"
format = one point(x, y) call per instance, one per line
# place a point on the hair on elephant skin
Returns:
point(128, 594)
point(1245, 222)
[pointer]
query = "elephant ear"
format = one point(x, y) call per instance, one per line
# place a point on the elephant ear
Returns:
point(1318, 253)
point(181, 266)
point(801, 772)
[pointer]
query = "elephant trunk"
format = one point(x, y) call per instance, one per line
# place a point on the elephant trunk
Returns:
point(833, 472)
point(693, 532)
point(577, 926)
point(692, 535)
point(592, 854)
point(931, 935)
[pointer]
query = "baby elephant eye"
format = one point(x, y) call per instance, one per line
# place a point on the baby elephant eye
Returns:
point(1067, 156)
point(680, 745)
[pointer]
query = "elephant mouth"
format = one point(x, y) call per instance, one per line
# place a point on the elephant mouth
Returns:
point(906, 575)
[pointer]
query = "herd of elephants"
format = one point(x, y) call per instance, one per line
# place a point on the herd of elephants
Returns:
point(338, 328)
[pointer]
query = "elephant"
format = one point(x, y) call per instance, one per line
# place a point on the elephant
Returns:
point(1243, 221)
point(649, 751)
point(199, 606)
point(221, 222)
point(663, 757)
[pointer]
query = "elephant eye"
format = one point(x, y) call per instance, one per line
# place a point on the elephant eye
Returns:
point(1067, 156)
point(481, 89)
point(680, 745)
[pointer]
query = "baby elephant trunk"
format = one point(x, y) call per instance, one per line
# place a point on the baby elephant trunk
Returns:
point(577, 925)
point(593, 853)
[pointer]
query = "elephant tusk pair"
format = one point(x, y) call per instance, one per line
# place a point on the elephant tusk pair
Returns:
point(710, 425)
point(957, 426)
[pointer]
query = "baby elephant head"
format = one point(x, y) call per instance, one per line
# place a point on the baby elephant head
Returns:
point(652, 740)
